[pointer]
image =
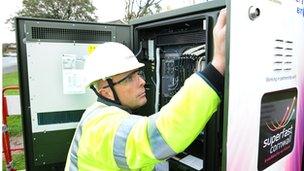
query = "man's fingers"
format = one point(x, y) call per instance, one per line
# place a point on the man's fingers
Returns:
point(221, 21)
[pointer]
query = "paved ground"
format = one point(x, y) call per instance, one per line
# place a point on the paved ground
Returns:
point(16, 142)
point(9, 64)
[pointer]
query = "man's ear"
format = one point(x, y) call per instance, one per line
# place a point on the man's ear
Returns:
point(106, 92)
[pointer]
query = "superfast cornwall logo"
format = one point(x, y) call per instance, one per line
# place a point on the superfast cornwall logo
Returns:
point(277, 126)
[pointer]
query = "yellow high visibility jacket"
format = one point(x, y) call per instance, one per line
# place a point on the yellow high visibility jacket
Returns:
point(109, 138)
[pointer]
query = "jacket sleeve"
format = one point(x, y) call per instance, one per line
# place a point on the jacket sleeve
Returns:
point(177, 124)
point(181, 120)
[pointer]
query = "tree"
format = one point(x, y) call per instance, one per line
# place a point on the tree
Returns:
point(78, 10)
point(139, 8)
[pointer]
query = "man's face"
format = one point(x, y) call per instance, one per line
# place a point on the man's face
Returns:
point(131, 91)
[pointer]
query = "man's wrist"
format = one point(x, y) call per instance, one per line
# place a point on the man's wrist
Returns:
point(219, 66)
point(214, 78)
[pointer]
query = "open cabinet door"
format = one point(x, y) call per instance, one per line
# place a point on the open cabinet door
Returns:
point(266, 86)
point(173, 45)
point(51, 55)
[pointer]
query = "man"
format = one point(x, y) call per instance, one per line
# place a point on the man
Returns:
point(109, 137)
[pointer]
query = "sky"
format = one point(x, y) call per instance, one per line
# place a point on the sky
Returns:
point(106, 11)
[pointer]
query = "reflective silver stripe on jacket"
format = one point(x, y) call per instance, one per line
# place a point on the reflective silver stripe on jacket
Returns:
point(74, 146)
point(159, 147)
point(120, 140)
point(163, 166)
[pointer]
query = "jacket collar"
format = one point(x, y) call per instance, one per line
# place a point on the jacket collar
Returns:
point(109, 102)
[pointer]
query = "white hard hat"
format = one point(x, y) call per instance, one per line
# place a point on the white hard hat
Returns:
point(107, 60)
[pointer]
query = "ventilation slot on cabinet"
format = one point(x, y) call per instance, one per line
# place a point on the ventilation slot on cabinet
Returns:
point(46, 118)
point(283, 55)
point(43, 33)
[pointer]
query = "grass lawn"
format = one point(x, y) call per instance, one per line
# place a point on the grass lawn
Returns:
point(15, 129)
point(10, 79)
point(18, 162)
point(14, 125)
